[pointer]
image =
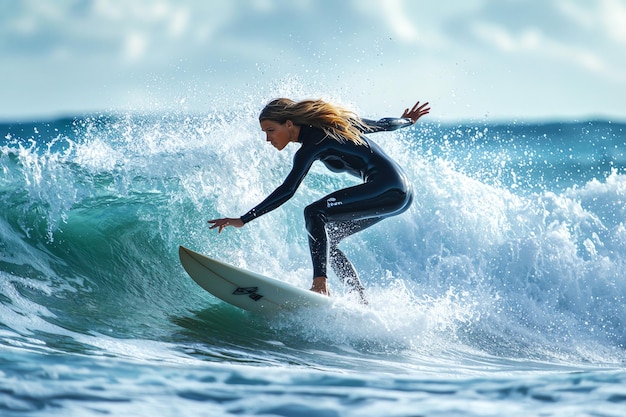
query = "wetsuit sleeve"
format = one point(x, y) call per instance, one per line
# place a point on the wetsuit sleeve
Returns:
point(386, 124)
point(302, 162)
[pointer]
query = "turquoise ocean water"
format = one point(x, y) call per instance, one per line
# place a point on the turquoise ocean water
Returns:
point(501, 292)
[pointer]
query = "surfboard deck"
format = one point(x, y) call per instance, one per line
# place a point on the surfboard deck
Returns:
point(245, 289)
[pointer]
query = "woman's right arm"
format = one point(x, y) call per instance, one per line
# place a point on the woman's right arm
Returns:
point(409, 117)
point(416, 112)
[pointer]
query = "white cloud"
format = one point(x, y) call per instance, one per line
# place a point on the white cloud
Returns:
point(576, 13)
point(135, 46)
point(373, 51)
point(504, 40)
point(603, 16)
point(532, 40)
point(613, 18)
point(396, 15)
point(179, 23)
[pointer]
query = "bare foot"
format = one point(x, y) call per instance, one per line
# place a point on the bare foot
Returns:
point(319, 285)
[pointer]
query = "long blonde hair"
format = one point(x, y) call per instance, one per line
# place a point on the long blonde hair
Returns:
point(337, 122)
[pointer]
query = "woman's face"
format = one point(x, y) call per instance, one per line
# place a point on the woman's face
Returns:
point(279, 134)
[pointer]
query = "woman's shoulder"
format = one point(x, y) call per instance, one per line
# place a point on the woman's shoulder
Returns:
point(310, 132)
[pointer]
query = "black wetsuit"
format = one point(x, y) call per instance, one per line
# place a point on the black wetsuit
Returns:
point(384, 192)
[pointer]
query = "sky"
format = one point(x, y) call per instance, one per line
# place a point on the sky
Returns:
point(475, 60)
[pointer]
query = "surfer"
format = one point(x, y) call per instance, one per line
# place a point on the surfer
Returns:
point(334, 136)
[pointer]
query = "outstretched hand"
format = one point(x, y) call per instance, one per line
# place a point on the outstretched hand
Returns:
point(222, 223)
point(416, 112)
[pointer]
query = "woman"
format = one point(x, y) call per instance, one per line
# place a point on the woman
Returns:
point(334, 136)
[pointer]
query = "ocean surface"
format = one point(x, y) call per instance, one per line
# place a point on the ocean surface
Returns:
point(501, 292)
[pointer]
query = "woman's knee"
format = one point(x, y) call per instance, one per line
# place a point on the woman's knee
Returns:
point(314, 215)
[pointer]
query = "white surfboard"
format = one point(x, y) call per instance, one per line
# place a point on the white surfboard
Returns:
point(245, 289)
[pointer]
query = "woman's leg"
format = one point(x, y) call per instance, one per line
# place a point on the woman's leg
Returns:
point(338, 260)
point(356, 208)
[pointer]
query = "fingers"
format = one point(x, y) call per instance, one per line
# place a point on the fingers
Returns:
point(417, 111)
point(420, 109)
point(218, 223)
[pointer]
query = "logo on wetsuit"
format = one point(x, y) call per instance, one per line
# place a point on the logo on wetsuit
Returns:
point(332, 202)
point(249, 291)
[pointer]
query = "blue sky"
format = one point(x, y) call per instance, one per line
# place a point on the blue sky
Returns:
point(472, 59)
